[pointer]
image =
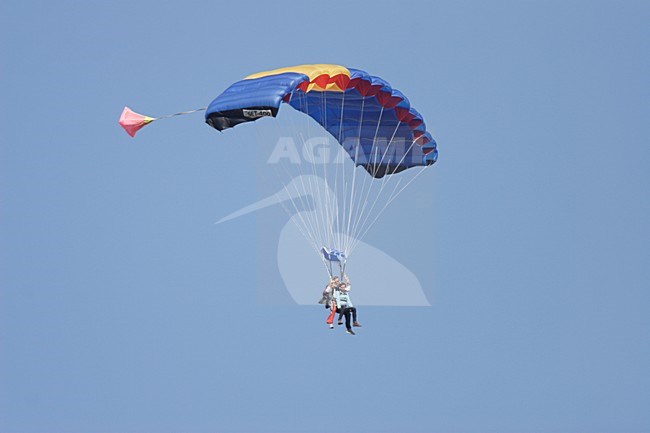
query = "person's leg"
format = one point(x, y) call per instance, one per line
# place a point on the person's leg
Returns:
point(347, 322)
point(354, 317)
point(330, 318)
point(346, 312)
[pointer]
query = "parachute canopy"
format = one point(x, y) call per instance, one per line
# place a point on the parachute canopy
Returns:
point(374, 123)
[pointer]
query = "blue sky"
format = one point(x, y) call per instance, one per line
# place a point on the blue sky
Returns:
point(123, 308)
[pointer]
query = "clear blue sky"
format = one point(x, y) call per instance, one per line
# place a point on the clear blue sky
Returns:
point(123, 308)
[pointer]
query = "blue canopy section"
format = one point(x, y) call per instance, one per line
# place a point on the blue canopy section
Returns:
point(260, 92)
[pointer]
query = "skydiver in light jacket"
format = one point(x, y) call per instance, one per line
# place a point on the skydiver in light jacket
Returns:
point(345, 306)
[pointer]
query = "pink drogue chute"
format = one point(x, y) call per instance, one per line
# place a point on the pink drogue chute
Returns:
point(132, 121)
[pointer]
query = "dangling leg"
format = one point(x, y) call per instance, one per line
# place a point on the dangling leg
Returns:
point(354, 317)
point(330, 318)
point(348, 328)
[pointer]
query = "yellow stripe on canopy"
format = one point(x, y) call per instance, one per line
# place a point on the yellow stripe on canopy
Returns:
point(312, 71)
